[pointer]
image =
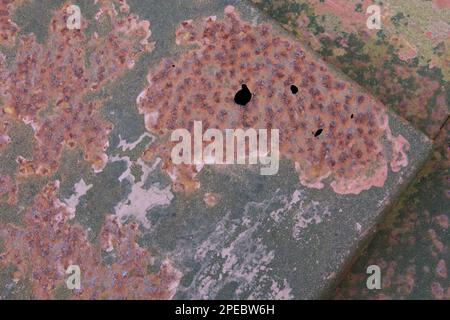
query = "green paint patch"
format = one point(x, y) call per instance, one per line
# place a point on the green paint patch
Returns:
point(101, 199)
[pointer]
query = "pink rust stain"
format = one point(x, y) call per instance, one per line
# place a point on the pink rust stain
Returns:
point(399, 159)
point(400, 146)
point(407, 52)
point(201, 83)
point(358, 184)
point(405, 283)
point(5, 140)
point(8, 29)
point(350, 19)
point(388, 279)
point(437, 243)
point(210, 199)
point(438, 31)
point(441, 4)
point(441, 269)
point(439, 292)
point(442, 221)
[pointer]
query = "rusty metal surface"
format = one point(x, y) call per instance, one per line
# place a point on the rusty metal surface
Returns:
point(51, 87)
point(406, 65)
point(86, 178)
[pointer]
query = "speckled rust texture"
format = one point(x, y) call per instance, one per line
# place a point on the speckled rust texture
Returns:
point(201, 85)
point(412, 247)
point(55, 78)
point(47, 244)
point(50, 87)
point(8, 29)
point(406, 65)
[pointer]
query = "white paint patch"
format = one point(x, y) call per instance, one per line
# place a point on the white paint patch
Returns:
point(255, 19)
point(311, 213)
point(243, 259)
point(125, 146)
point(141, 198)
point(81, 188)
point(235, 254)
point(358, 227)
point(304, 213)
point(172, 286)
point(281, 294)
point(277, 214)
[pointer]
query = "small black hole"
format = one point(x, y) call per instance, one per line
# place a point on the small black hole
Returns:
point(351, 116)
point(294, 89)
point(243, 96)
point(318, 132)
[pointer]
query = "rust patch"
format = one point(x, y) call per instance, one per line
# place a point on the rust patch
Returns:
point(48, 87)
point(441, 4)
point(210, 199)
point(47, 244)
point(8, 29)
point(201, 85)
point(55, 78)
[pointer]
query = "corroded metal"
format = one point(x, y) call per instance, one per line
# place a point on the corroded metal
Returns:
point(86, 180)
point(406, 65)
point(201, 84)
